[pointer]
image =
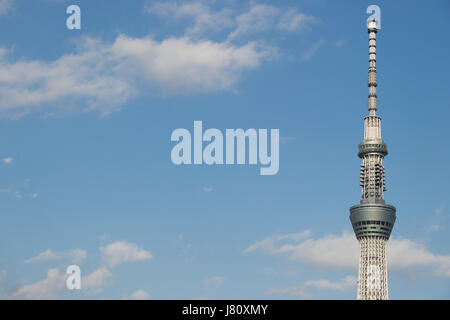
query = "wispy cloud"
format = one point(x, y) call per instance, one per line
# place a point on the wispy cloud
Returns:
point(8, 160)
point(309, 53)
point(271, 244)
point(202, 17)
point(292, 20)
point(139, 295)
point(17, 194)
point(207, 188)
point(267, 271)
point(20, 188)
point(2, 274)
point(214, 282)
point(260, 17)
point(76, 256)
point(256, 18)
point(436, 227)
point(341, 43)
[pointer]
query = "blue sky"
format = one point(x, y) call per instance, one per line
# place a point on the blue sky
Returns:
point(86, 177)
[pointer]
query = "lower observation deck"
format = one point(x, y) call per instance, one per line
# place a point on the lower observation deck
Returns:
point(372, 219)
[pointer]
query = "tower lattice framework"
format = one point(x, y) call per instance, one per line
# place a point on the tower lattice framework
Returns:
point(372, 219)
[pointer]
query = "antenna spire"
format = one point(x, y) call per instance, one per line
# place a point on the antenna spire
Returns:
point(372, 30)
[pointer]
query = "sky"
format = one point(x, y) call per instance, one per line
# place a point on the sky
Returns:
point(86, 176)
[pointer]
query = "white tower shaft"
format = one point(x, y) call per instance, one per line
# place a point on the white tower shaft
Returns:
point(372, 275)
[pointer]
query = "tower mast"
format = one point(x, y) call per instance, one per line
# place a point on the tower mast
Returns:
point(372, 219)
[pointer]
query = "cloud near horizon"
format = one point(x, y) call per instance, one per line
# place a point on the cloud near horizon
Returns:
point(138, 295)
point(341, 252)
point(54, 285)
point(304, 289)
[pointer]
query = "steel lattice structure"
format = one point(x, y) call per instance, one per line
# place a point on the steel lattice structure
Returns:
point(372, 219)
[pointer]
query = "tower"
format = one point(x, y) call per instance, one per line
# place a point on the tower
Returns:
point(372, 219)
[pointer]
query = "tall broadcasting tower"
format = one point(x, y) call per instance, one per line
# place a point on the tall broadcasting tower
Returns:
point(372, 219)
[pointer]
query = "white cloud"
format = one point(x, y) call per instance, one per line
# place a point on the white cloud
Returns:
point(96, 281)
point(48, 255)
point(407, 254)
point(3, 52)
point(304, 289)
point(8, 160)
point(5, 6)
point(181, 65)
point(49, 288)
point(54, 285)
point(443, 268)
point(330, 251)
point(87, 74)
point(34, 195)
point(341, 285)
point(104, 76)
point(139, 295)
point(121, 252)
point(76, 256)
point(334, 251)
